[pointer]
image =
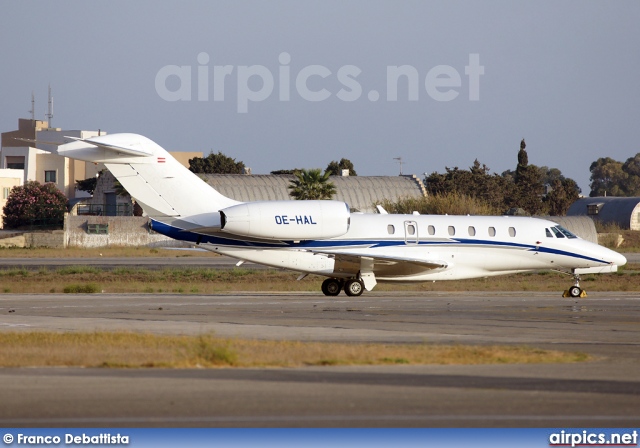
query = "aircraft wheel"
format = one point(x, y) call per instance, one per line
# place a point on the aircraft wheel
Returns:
point(331, 287)
point(575, 291)
point(353, 287)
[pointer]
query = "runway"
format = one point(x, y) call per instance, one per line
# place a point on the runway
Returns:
point(605, 392)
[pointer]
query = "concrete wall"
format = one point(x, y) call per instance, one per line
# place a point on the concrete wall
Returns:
point(105, 185)
point(123, 231)
point(54, 239)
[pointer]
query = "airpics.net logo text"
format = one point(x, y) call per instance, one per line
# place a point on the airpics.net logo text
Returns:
point(256, 83)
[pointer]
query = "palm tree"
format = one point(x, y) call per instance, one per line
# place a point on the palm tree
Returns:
point(312, 184)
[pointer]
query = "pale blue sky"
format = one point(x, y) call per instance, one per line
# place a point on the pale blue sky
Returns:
point(564, 75)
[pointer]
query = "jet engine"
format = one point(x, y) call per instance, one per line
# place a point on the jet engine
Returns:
point(287, 220)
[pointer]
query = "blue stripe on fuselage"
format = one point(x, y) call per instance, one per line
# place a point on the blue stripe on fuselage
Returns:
point(185, 235)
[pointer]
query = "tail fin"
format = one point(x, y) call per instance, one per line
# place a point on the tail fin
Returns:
point(165, 189)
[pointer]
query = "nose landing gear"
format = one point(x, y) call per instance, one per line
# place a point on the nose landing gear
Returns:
point(575, 291)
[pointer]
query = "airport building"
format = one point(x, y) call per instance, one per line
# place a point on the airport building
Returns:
point(624, 212)
point(25, 156)
point(20, 151)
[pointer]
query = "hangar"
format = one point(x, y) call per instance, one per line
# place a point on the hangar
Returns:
point(360, 192)
point(625, 212)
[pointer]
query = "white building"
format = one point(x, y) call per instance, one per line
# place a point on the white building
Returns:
point(40, 165)
point(9, 178)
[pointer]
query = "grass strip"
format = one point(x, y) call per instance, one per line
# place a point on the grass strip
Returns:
point(136, 350)
point(199, 280)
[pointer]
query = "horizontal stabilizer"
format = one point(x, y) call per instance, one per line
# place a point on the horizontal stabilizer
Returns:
point(121, 146)
point(113, 148)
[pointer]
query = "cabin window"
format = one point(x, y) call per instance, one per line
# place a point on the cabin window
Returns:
point(391, 229)
point(557, 232)
point(411, 229)
point(492, 231)
point(472, 231)
point(452, 230)
point(512, 231)
point(549, 234)
point(432, 230)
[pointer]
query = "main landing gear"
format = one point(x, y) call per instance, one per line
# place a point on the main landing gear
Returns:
point(352, 287)
point(575, 291)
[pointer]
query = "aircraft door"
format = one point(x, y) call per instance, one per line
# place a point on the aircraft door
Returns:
point(410, 232)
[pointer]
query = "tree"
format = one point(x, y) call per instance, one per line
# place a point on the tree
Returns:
point(283, 172)
point(335, 168)
point(564, 193)
point(550, 175)
point(216, 164)
point(311, 184)
point(607, 178)
point(522, 188)
point(632, 168)
point(529, 188)
point(88, 185)
point(34, 204)
point(477, 182)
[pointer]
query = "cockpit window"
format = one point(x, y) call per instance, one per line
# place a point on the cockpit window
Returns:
point(565, 232)
point(557, 232)
point(549, 234)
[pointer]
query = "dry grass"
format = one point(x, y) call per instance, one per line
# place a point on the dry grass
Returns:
point(87, 279)
point(104, 252)
point(133, 350)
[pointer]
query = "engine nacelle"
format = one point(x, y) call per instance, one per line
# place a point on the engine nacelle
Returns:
point(287, 220)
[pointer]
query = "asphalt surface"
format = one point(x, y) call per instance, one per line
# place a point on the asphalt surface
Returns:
point(600, 393)
point(213, 261)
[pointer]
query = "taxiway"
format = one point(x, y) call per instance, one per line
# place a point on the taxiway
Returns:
point(605, 392)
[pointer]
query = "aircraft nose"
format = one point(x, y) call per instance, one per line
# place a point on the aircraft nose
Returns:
point(618, 259)
point(612, 257)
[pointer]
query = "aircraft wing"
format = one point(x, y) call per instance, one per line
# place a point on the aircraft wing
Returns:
point(382, 264)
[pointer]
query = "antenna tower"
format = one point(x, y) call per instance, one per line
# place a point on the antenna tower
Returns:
point(49, 114)
point(33, 107)
point(399, 159)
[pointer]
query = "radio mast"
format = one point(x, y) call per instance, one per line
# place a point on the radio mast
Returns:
point(49, 115)
point(33, 107)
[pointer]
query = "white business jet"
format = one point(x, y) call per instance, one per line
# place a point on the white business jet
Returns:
point(353, 250)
